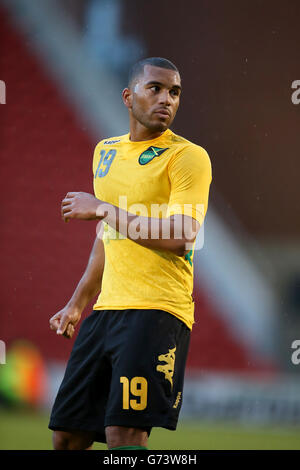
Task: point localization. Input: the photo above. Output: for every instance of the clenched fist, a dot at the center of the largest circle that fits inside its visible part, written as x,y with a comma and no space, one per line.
65,321
79,205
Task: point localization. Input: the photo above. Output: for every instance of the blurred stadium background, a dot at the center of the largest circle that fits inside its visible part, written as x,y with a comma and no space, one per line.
64,64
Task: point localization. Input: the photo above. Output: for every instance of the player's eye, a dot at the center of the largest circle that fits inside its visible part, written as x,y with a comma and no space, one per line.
174,92
155,88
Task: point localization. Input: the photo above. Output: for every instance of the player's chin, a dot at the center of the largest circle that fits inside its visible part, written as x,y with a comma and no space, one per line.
161,124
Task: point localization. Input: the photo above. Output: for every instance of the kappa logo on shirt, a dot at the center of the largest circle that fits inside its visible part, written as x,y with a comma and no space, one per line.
149,154
168,368
110,142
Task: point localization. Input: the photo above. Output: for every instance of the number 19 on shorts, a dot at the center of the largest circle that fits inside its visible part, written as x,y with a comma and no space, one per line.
137,387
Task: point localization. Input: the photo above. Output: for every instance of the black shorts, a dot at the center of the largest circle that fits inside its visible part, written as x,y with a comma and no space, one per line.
126,368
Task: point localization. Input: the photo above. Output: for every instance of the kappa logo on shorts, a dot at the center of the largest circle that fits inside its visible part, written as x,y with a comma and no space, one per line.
168,368
149,154
177,400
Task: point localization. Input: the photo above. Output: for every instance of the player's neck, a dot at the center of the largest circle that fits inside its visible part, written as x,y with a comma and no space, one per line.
139,133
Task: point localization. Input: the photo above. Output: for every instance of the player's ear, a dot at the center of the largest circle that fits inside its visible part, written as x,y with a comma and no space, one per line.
127,97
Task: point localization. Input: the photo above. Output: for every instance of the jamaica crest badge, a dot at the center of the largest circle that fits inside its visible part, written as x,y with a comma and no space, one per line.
149,154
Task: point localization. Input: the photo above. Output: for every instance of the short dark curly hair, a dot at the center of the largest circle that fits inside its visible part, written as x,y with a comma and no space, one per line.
138,67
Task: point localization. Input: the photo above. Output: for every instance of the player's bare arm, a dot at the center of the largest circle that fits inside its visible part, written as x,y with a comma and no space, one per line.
65,321
173,234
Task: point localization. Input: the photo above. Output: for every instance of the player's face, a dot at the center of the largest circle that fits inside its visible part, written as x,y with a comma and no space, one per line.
155,97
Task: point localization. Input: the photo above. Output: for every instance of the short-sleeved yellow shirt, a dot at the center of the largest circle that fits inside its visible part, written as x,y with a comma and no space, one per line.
154,178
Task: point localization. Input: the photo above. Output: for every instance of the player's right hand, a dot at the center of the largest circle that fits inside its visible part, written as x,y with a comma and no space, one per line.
65,321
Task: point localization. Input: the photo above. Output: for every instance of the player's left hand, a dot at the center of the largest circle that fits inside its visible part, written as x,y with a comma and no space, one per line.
79,205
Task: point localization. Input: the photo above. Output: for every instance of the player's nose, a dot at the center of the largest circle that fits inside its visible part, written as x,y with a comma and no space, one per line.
164,98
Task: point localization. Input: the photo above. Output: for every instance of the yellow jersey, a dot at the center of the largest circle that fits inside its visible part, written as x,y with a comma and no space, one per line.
153,178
